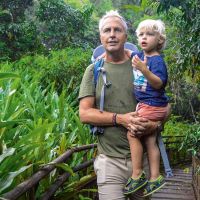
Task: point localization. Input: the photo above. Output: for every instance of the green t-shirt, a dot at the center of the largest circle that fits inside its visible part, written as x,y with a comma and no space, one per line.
119,98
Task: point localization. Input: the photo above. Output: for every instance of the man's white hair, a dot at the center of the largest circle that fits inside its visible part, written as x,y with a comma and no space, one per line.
112,13
153,25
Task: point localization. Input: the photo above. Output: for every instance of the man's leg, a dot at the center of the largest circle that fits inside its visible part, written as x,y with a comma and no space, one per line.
112,175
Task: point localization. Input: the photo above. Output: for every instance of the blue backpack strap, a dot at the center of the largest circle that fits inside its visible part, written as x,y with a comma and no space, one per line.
97,66
163,153
98,69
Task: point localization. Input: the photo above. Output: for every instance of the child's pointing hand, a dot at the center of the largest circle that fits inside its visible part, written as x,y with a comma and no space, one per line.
137,63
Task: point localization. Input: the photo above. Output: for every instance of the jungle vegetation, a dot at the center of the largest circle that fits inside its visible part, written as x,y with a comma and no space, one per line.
45,46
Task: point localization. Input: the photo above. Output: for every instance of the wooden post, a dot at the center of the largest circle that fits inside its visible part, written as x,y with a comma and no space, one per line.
196,176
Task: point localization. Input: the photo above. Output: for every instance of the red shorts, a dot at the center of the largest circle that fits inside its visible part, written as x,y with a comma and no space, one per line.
153,113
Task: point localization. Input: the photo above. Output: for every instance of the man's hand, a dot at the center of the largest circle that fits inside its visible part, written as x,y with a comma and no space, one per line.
137,63
138,125
135,124
126,119
142,126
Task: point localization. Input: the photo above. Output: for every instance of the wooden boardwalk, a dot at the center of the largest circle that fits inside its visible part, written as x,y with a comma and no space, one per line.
178,187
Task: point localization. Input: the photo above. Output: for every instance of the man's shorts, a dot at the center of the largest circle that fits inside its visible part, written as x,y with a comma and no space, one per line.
112,175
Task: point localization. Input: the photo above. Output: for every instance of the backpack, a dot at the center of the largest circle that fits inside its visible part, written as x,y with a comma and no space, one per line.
99,70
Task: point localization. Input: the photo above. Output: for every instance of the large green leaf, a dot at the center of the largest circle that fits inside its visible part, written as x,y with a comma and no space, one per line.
8,152
10,123
6,183
65,167
134,8
8,75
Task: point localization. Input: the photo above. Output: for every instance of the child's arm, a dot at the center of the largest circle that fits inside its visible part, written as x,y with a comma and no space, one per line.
153,80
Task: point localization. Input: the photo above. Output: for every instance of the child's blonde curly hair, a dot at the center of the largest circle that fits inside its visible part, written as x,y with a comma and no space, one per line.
156,26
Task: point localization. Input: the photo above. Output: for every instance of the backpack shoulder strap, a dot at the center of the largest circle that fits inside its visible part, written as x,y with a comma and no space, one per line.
98,69
97,66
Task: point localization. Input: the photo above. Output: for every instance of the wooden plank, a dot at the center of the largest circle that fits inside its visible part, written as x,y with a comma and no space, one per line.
181,191
178,187
173,196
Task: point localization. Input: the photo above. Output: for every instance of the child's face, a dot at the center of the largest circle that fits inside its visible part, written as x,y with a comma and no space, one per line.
149,40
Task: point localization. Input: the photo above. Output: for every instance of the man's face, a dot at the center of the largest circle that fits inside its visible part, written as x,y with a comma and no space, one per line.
113,35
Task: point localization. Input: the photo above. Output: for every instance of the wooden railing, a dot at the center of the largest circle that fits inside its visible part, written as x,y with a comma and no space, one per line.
176,156
30,185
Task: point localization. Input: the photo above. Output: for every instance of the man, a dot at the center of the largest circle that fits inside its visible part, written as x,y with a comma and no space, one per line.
113,164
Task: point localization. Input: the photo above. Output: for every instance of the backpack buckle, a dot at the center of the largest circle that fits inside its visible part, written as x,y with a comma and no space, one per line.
108,84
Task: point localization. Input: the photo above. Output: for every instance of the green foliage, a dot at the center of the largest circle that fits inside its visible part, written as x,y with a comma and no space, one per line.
185,15
17,35
102,6
77,4
64,67
174,133
68,64
38,120
8,75
60,25
39,26
192,140
185,98
174,126
16,8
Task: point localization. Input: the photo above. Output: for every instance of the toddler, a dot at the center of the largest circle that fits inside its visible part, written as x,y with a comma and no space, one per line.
150,79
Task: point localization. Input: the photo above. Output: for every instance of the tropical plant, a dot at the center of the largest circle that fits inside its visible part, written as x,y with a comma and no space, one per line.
64,67
39,26
192,140
59,24
185,16
35,120
17,36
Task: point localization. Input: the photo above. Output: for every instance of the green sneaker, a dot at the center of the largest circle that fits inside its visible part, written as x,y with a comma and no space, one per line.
153,186
133,185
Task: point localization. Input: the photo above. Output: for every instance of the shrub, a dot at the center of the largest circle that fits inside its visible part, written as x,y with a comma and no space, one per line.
62,67
67,64
192,140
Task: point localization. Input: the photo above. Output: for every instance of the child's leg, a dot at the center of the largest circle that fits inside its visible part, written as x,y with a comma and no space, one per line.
153,156
136,155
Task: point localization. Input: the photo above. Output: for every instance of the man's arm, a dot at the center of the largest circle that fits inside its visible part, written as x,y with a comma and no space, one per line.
90,115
